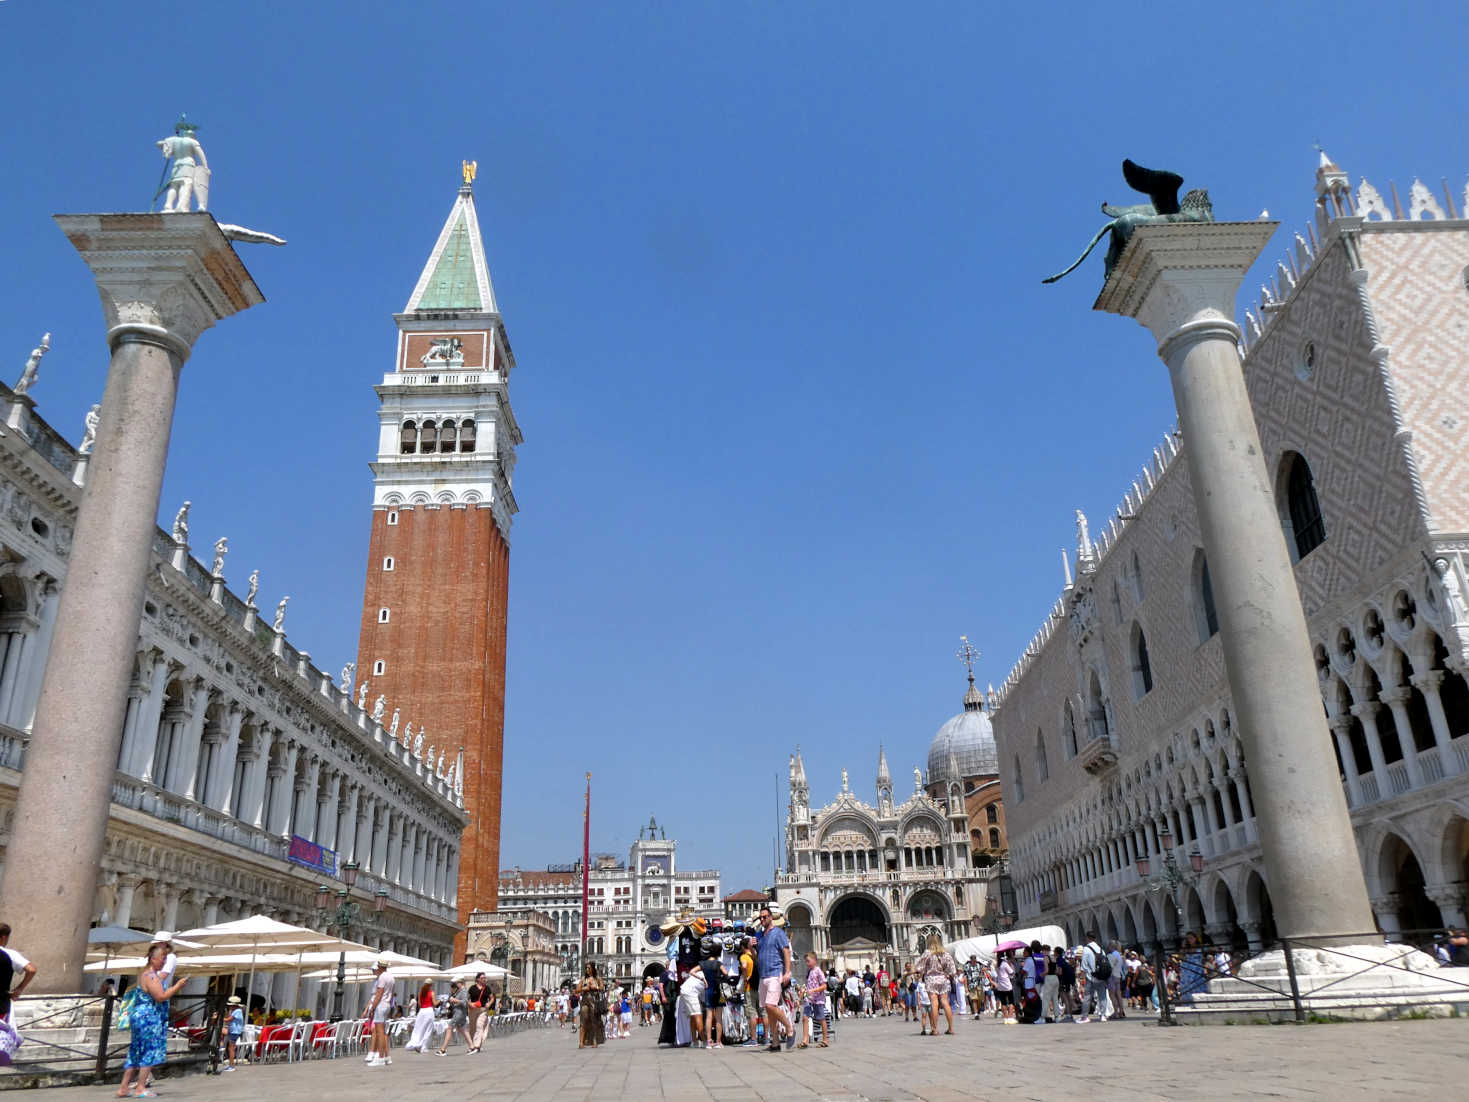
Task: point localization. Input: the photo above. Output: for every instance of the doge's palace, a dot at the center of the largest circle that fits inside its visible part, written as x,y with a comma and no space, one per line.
1117,727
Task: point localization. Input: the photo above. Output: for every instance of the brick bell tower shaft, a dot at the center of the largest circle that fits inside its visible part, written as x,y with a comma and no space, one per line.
434,605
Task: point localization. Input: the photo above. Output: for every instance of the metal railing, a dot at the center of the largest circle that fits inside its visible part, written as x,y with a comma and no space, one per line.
1190,984
42,1058
98,1053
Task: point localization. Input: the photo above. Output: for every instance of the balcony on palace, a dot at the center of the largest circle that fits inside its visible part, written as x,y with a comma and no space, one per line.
1098,756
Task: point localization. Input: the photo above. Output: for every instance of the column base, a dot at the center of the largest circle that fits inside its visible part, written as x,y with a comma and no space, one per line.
1345,982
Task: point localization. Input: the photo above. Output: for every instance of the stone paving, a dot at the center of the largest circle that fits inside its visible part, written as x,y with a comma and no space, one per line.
886,1059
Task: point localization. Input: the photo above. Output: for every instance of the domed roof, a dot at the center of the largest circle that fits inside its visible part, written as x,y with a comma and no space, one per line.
970,737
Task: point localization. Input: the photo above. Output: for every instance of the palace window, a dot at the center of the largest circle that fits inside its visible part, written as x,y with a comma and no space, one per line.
388,563
1142,669
1019,782
1306,528
1208,614
991,814
393,518
1042,766
379,668
1068,731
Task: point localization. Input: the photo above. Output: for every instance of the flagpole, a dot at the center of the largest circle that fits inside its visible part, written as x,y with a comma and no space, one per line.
586,865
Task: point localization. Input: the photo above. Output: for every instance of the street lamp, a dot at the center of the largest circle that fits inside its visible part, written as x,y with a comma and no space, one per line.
1170,878
346,916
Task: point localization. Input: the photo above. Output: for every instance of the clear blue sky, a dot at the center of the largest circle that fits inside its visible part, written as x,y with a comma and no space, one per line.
798,411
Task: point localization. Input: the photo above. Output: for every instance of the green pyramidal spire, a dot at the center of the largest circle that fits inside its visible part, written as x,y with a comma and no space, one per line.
456,276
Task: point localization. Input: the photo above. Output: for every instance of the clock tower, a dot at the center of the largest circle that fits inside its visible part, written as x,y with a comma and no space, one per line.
434,607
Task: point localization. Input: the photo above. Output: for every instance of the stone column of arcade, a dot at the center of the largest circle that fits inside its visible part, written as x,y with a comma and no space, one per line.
164,279
1180,281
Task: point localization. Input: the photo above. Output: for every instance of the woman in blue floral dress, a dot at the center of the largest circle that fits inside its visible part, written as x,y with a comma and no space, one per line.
149,1045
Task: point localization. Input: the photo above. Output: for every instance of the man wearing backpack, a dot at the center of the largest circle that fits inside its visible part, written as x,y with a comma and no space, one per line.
1098,970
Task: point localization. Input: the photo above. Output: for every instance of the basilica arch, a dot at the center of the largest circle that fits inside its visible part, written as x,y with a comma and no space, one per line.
857,916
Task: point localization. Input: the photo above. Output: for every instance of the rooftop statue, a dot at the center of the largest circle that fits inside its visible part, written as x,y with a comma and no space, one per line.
1161,188
89,436
33,364
253,589
181,524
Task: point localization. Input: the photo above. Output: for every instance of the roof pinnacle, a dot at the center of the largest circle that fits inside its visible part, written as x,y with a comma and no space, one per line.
973,698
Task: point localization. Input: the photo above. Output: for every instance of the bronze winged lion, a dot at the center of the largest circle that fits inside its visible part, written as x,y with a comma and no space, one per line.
1161,188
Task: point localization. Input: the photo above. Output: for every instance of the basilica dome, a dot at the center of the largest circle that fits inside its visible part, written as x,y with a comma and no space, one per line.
971,739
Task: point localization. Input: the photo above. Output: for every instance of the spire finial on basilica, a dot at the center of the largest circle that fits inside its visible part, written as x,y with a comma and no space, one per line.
973,698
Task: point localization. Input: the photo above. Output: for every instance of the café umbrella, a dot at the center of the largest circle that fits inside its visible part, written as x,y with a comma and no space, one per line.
262,934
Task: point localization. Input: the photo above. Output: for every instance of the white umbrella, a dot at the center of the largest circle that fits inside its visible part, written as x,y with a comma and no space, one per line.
205,963
471,968
261,932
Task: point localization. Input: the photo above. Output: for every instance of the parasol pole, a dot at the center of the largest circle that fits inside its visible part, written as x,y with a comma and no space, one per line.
586,872
250,989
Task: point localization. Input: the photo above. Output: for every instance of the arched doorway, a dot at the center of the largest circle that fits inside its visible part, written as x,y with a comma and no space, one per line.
1193,913
1129,926
798,929
857,919
1257,903
1414,910
1225,914
1150,928
1454,863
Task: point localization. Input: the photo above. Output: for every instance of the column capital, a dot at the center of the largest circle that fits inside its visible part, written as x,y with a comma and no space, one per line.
1366,709
1397,695
1180,279
1428,679
163,278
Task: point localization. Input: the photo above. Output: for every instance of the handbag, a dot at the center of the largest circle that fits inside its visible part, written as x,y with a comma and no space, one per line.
124,1019
10,1040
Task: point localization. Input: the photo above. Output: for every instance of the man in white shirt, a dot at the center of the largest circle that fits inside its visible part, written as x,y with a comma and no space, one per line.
15,961
378,1008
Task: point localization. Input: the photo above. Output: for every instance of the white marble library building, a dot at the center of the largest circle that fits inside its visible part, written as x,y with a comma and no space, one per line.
240,761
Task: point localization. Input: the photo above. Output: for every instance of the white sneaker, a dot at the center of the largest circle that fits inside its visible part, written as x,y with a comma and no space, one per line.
374,1062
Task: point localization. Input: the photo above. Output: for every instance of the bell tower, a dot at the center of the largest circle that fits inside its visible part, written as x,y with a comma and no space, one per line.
434,607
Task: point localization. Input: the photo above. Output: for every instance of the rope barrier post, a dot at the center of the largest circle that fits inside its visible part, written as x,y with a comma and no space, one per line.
1295,987
1160,985
107,1001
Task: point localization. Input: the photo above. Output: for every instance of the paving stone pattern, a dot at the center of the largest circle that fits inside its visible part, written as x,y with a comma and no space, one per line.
886,1059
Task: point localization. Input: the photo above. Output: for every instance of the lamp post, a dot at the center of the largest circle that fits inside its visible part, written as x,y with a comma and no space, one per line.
346,916
1171,877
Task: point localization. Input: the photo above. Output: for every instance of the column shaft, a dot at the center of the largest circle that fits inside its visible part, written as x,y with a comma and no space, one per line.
1305,833
66,786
